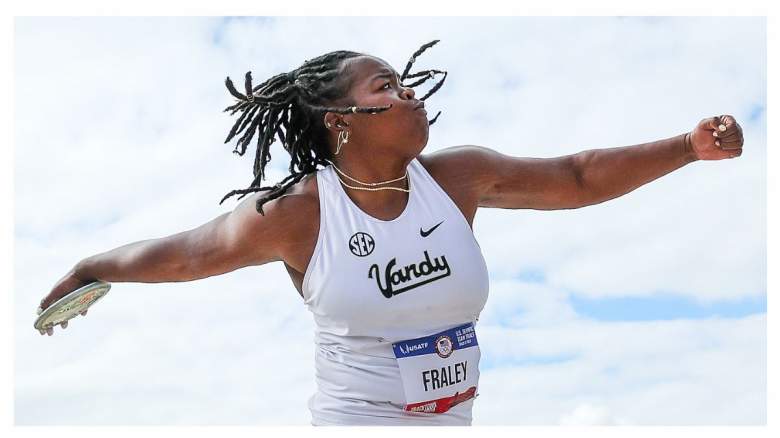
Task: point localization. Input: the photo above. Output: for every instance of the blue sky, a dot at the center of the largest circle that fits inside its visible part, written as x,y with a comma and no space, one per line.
667,306
658,306
646,309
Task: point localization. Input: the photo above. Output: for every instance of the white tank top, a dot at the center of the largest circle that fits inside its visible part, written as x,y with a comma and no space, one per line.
372,282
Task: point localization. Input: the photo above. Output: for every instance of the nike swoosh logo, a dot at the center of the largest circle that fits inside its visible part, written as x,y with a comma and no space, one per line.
426,233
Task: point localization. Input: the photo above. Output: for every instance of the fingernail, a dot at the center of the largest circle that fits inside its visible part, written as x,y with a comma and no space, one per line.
722,127
717,143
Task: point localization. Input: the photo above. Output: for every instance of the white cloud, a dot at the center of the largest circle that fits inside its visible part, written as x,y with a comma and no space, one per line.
587,414
680,372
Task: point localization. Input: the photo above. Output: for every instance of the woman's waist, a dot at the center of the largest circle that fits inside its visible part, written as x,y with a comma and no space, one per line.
354,375
340,410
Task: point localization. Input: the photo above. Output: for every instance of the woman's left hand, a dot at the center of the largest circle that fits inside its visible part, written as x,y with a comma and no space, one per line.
716,138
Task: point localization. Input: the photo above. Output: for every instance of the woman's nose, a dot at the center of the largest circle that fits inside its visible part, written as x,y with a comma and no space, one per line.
409,92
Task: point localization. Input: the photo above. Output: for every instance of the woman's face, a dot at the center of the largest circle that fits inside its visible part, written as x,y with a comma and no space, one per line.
402,129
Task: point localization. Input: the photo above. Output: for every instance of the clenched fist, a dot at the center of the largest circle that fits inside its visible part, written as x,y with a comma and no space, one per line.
716,138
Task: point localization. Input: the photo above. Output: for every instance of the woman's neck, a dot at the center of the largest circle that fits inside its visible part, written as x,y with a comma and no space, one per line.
374,170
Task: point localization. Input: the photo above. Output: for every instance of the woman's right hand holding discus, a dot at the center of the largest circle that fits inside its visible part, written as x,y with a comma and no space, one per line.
64,286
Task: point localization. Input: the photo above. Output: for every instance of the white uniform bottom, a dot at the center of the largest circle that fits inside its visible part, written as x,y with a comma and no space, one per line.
331,411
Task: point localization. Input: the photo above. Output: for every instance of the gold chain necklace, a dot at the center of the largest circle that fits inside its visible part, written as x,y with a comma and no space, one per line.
406,175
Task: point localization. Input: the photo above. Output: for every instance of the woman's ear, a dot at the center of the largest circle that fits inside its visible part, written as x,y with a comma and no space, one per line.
329,120
333,121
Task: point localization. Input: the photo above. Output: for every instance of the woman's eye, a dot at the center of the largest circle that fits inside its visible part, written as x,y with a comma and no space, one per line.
383,86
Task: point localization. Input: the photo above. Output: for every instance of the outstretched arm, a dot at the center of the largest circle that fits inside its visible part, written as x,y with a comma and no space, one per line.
230,241
605,174
608,173
588,177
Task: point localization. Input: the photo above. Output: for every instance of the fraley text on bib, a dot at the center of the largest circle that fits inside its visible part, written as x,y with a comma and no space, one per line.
440,370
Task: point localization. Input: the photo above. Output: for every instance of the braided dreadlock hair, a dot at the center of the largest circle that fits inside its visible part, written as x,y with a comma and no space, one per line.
297,101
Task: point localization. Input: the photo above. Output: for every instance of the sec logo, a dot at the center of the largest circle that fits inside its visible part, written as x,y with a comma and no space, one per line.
361,244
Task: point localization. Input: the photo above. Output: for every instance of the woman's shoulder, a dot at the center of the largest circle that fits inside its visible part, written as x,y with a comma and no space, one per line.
453,179
448,174
301,206
301,201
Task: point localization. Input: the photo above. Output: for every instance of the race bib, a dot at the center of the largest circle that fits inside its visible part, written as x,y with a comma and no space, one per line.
439,371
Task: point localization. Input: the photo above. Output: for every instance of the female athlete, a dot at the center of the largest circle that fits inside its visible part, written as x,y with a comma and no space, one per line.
378,241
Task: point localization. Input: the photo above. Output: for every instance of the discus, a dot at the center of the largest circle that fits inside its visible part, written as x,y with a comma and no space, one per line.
71,304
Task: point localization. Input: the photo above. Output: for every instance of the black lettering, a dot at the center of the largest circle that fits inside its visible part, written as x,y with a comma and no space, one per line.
439,266
426,378
446,380
406,274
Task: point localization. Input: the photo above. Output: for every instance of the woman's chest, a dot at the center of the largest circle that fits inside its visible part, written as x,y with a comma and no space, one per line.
300,252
